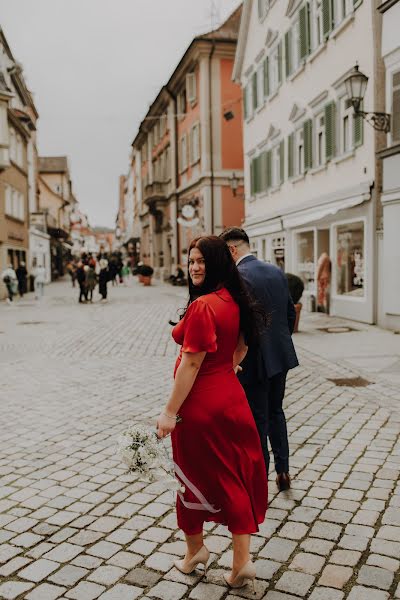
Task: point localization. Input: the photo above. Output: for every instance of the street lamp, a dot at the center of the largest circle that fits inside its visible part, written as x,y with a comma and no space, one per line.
234,183
356,85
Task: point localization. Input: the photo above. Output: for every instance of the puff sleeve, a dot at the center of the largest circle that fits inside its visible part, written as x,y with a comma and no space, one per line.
200,333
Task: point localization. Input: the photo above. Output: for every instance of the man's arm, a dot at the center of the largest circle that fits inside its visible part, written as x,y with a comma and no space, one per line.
291,311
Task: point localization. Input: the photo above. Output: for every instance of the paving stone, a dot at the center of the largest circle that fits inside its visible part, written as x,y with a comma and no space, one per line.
278,549
12,589
160,561
86,538
143,577
87,562
359,592
168,589
38,570
156,534
68,575
272,596
125,560
326,531
104,549
387,532
353,542
307,563
317,546
295,583
142,547
324,593
122,592
294,531
266,569
107,575
7,552
376,560
64,552
345,557
85,590
387,548
375,577
360,530
45,591
14,565
335,516
105,524
304,514
335,576
207,591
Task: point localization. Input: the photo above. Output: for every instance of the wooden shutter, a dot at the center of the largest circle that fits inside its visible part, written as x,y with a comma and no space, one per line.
280,62
327,17
260,8
269,168
266,77
396,107
282,161
290,155
254,88
259,174
191,87
304,18
288,52
252,187
245,102
308,149
330,130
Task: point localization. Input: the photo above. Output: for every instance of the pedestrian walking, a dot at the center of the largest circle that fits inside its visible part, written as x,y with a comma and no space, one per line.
103,278
216,449
71,268
324,268
22,276
9,278
81,279
113,268
40,280
90,280
266,366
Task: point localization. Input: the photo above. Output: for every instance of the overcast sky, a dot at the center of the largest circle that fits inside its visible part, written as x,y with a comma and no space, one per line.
94,67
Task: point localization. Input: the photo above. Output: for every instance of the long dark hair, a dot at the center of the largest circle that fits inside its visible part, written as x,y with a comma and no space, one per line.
221,271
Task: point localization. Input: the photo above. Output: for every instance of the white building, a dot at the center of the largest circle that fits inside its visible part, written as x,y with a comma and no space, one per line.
310,164
389,255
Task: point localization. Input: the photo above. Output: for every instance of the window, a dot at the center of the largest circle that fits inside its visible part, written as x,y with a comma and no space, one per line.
182,102
350,275
320,140
275,69
191,86
144,152
248,100
304,31
296,45
13,145
346,122
166,171
330,130
263,8
396,107
306,259
260,84
299,153
318,24
276,166
194,149
184,152
254,89
14,203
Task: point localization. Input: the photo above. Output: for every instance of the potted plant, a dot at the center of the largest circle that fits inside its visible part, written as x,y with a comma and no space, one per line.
296,289
145,274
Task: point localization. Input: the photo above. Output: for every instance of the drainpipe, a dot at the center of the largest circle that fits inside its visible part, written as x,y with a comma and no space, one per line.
211,132
176,163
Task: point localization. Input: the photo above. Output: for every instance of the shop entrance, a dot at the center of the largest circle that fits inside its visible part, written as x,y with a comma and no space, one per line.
324,271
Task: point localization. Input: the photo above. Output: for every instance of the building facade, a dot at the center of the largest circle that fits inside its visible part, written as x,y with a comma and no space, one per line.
389,246
312,177
185,153
18,159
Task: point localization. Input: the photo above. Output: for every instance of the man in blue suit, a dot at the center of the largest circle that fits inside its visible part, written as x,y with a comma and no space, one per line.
266,366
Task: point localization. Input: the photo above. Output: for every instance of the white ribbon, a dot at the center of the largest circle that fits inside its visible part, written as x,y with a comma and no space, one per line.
204,504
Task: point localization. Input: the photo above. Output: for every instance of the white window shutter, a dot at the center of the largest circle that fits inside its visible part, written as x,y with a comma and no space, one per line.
191,87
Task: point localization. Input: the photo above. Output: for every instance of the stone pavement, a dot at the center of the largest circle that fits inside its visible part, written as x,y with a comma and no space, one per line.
74,525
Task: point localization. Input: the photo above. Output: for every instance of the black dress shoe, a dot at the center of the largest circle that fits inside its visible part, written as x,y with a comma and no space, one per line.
283,481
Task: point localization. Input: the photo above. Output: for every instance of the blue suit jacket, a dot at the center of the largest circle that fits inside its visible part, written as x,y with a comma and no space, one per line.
276,353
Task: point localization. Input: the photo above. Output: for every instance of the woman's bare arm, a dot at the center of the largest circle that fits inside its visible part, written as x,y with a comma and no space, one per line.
240,353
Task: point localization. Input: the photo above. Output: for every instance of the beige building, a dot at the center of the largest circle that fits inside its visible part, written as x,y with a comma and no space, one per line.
56,203
18,182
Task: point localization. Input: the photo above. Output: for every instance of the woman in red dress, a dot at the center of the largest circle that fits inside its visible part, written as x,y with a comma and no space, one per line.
216,447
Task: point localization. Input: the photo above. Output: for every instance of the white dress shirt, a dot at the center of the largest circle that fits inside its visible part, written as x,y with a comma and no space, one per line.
239,260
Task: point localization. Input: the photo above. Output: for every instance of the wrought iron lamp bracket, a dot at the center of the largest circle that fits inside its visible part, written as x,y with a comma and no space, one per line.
379,121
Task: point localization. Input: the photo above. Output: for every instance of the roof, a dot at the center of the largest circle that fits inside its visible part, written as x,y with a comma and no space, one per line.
228,30
3,84
53,164
242,40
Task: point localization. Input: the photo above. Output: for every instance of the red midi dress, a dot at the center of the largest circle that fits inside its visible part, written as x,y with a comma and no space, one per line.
216,447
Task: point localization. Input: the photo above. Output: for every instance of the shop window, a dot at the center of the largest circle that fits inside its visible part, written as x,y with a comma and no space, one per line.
350,260
306,259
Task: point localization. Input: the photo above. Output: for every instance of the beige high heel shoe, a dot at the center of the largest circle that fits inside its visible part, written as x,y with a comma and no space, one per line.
246,573
202,557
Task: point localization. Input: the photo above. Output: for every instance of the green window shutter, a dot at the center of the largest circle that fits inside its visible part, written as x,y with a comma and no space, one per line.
254,86
269,167
280,62
282,161
358,131
290,155
252,186
308,150
288,52
245,102
266,77
327,17
330,130
304,31
357,3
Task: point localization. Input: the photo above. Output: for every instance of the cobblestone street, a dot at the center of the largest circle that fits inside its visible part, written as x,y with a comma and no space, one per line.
74,525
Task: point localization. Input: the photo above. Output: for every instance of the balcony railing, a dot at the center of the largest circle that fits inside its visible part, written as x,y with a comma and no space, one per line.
155,191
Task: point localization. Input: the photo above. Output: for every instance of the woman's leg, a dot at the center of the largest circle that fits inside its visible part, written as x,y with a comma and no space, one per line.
194,544
241,552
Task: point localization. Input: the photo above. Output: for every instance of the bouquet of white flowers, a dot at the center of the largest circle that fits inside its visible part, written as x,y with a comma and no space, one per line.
145,454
